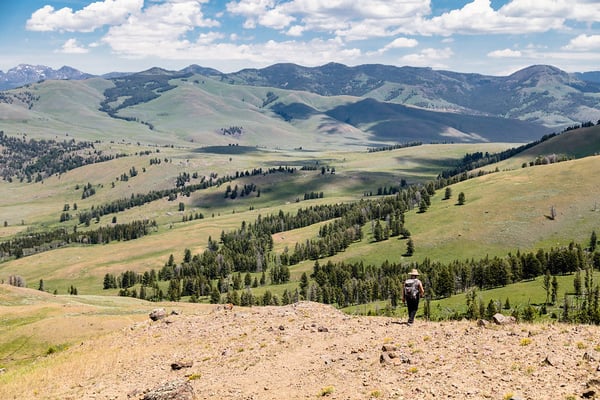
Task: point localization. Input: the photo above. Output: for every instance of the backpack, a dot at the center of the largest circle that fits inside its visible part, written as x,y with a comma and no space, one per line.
411,289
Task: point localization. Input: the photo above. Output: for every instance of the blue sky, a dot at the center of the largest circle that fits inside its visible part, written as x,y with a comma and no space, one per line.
495,37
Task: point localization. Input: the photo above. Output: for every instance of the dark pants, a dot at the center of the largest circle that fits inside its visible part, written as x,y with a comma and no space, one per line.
413,306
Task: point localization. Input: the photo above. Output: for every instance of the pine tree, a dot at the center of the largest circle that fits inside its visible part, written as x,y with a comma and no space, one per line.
490,310
423,206
554,295
528,313
215,296
472,309
303,285
577,283
546,285
461,199
447,193
263,279
410,248
174,291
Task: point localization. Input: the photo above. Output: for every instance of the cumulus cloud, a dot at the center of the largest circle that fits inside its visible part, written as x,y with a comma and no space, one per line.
505,53
351,19
429,57
584,43
157,29
295,30
580,10
335,30
479,17
71,46
88,19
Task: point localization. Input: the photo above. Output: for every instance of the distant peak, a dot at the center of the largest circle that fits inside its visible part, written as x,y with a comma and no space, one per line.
156,71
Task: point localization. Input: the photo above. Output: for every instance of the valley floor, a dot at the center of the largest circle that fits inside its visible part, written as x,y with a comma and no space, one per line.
310,350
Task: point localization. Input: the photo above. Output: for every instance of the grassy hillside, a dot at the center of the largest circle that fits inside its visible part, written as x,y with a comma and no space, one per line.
180,109
504,211
576,143
37,324
85,266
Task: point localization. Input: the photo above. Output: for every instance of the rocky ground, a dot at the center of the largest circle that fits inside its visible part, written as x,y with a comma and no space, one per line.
310,350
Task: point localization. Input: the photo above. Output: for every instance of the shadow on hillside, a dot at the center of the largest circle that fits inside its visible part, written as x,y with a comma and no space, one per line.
293,111
227,149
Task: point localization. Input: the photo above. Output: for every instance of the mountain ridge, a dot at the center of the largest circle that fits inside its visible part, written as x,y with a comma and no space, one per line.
543,94
377,102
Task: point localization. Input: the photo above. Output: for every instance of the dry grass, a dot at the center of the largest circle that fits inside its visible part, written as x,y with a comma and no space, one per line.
278,352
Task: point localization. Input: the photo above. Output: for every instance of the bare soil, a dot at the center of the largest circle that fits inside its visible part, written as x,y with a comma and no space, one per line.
310,350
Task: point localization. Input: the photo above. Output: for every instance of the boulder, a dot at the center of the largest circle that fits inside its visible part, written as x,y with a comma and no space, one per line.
158,314
503,320
176,390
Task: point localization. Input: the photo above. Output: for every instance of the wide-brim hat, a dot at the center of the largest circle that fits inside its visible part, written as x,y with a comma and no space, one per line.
414,272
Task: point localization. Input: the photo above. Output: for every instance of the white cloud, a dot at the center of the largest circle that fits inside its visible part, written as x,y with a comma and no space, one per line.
429,57
295,30
398,43
88,19
505,53
351,19
402,42
208,38
478,17
71,46
584,43
579,10
157,29
179,29
275,19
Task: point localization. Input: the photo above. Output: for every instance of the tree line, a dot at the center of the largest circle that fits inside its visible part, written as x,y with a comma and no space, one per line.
32,160
182,187
37,242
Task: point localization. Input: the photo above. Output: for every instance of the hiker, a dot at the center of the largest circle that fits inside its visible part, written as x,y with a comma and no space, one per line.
413,291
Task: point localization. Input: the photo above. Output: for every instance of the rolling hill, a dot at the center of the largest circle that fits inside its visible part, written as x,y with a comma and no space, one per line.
184,109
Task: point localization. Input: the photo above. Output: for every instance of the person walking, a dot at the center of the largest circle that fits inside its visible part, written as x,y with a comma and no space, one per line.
413,291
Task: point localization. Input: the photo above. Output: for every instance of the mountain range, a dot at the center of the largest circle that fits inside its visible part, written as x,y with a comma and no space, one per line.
368,103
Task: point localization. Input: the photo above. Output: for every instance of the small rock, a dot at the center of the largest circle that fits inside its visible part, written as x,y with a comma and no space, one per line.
589,394
404,359
588,357
177,390
593,383
483,323
384,358
181,364
549,360
158,314
281,328
323,329
388,347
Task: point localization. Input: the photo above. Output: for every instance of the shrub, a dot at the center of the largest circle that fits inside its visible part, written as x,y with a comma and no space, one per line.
326,391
